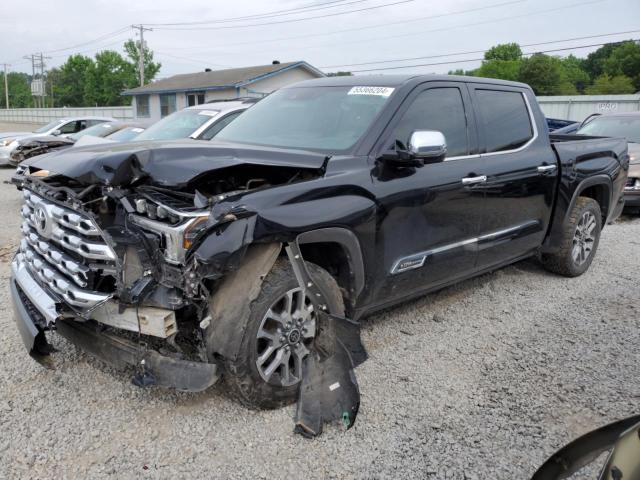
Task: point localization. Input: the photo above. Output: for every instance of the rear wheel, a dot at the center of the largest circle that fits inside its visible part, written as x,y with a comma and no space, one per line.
281,326
579,240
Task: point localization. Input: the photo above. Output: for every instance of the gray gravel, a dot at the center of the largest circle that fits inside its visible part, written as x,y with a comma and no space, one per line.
482,380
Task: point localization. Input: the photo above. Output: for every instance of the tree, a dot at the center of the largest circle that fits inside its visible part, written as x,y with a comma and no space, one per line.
70,80
108,77
624,60
151,69
504,51
594,64
574,74
504,69
606,85
544,74
19,90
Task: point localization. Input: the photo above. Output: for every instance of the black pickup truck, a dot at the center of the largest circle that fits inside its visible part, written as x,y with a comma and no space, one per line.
176,255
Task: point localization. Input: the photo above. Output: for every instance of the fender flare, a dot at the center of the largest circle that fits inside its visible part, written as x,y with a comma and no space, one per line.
591,182
351,245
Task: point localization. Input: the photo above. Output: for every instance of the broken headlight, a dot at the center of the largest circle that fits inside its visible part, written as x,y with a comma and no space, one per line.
178,229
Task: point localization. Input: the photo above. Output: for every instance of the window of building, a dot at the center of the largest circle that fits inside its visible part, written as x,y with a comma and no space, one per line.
440,109
505,119
195,98
167,104
142,106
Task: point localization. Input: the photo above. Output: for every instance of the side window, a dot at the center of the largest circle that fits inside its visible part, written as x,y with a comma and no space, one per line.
69,127
216,127
505,119
440,109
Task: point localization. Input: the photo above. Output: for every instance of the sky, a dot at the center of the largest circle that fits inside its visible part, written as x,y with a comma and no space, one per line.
344,35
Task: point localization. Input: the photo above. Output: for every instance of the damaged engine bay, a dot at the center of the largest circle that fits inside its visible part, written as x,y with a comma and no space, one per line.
132,264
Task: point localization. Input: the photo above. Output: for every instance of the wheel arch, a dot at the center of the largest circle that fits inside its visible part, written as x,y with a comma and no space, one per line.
337,250
599,188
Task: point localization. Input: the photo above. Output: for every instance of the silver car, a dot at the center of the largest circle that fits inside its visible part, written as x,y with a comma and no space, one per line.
201,122
62,127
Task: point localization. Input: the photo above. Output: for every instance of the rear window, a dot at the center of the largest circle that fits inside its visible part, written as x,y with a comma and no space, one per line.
505,118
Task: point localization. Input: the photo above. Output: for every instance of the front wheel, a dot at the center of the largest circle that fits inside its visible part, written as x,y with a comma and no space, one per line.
277,337
579,240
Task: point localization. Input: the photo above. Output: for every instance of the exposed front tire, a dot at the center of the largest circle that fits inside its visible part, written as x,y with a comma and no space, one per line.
579,242
277,336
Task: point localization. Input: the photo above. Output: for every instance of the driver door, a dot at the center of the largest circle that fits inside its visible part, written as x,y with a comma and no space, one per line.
430,214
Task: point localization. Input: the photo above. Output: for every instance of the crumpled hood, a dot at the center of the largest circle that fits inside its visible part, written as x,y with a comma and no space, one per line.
172,163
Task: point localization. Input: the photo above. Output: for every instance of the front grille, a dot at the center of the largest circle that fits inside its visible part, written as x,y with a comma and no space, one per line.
65,252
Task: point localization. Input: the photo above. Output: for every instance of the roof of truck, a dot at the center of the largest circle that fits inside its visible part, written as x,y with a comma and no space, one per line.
397,80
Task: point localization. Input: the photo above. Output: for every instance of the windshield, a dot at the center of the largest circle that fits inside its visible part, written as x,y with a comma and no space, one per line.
100,130
622,126
326,119
126,134
178,125
47,127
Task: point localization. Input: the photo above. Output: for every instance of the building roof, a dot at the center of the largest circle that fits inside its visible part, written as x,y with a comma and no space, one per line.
219,79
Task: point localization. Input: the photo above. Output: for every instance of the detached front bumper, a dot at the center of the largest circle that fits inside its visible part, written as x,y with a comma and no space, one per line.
35,311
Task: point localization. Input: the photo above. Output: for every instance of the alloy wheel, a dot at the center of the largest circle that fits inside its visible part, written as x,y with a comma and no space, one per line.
286,330
584,238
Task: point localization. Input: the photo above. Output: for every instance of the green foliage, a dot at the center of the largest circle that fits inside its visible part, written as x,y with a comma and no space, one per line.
505,52
607,85
19,90
624,60
151,68
504,69
613,68
82,81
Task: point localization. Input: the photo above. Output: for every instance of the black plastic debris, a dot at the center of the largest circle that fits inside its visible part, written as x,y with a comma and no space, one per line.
329,390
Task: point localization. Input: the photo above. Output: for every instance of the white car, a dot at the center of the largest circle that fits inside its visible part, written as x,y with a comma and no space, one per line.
63,127
201,122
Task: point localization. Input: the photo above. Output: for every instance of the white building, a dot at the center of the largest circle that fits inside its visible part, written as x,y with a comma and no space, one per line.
163,97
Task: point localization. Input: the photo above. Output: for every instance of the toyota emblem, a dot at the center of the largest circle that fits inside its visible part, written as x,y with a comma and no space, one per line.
42,221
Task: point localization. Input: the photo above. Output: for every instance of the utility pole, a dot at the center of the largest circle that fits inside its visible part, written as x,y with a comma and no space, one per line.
6,86
37,68
141,28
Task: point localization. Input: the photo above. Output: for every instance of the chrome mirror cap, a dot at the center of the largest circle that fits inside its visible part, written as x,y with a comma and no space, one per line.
427,144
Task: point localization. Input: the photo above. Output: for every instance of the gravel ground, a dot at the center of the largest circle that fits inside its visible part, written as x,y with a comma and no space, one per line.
482,380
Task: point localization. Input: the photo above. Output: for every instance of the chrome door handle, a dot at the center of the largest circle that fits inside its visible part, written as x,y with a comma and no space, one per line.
547,168
474,180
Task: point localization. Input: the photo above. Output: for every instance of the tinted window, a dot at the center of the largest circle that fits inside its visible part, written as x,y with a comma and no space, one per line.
621,126
438,109
216,127
505,119
70,127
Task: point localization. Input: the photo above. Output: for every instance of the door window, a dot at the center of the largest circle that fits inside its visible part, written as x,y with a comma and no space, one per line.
69,127
440,109
505,118
216,127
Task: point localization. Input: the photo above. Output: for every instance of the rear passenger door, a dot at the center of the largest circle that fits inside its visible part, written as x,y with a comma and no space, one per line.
521,173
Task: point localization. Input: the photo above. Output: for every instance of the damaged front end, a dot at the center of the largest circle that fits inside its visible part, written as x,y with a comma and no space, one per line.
148,265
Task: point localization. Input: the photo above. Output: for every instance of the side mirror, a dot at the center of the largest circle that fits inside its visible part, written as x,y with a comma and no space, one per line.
427,145
55,133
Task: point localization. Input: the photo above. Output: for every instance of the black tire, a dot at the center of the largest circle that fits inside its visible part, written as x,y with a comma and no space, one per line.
563,262
243,380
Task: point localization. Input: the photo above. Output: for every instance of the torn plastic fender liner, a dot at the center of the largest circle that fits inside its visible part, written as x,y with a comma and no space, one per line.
329,389
233,297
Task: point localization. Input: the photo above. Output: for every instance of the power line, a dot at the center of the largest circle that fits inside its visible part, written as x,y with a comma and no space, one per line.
193,60
467,60
475,51
102,37
386,24
276,13
292,20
